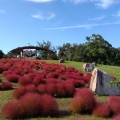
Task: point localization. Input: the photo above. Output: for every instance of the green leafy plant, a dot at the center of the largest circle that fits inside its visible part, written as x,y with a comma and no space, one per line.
115,82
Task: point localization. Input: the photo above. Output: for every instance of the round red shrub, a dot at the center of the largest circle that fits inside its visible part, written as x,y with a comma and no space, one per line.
18,92
87,78
79,83
55,75
23,81
62,77
62,68
31,105
1,69
49,106
5,73
70,81
77,105
11,110
114,103
27,70
60,90
31,88
31,75
6,86
6,67
102,110
38,80
51,88
18,72
41,89
59,71
70,69
80,74
51,80
69,89
87,98
12,77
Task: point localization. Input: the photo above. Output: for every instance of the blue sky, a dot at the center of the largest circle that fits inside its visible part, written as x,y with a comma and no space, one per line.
24,22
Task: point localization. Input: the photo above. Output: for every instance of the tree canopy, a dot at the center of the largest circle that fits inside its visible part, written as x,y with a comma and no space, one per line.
96,49
1,54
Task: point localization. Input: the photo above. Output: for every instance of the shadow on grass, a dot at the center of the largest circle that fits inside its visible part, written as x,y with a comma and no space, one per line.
63,113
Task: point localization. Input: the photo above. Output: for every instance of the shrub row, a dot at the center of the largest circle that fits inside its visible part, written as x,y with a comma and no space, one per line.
31,105
85,102
56,90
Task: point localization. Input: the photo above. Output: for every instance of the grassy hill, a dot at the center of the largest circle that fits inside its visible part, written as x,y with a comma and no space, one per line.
63,103
112,70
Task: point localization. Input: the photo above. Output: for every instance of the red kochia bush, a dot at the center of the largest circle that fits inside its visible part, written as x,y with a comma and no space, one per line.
18,92
114,103
51,80
60,90
31,88
85,101
49,106
51,88
102,110
12,77
6,86
87,78
79,83
31,104
23,81
69,89
31,75
11,110
76,105
1,69
62,77
41,89
18,72
38,80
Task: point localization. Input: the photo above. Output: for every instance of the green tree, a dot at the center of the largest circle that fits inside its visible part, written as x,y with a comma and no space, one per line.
65,51
98,49
1,54
44,54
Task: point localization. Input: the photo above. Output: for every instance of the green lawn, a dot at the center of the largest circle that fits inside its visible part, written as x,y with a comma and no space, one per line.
112,70
63,103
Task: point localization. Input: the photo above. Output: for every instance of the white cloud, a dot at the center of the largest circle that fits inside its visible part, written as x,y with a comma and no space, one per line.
40,16
97,18
51,16
104,4
86,26
40,1
2,11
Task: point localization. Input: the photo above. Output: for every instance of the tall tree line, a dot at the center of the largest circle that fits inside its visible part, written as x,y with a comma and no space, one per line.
96,49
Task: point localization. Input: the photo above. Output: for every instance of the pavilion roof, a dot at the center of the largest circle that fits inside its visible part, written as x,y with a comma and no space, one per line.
20,49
